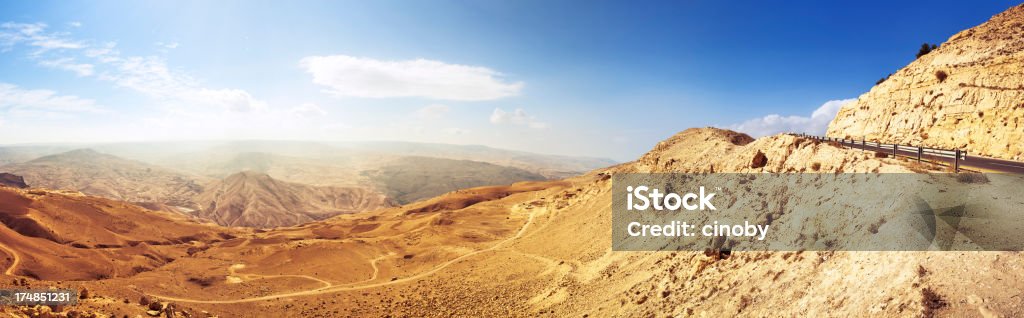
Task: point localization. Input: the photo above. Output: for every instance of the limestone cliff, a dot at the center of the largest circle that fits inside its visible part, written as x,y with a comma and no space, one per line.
967,94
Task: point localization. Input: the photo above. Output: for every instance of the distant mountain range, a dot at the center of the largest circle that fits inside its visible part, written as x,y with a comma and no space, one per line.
257,200
278,183
109,176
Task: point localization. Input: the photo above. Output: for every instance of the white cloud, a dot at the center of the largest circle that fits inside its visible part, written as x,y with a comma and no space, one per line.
75,24
369,78
517,117
151,76
432,111
33,34
17,99
772,124
69,64
456,131
307,110
148,75
169,46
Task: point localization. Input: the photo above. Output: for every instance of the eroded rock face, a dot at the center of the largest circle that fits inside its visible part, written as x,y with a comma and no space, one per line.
967,94
11,180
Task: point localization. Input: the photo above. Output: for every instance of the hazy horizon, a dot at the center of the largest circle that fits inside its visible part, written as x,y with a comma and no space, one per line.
598,80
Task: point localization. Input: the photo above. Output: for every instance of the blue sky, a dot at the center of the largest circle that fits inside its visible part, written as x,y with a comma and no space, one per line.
595,78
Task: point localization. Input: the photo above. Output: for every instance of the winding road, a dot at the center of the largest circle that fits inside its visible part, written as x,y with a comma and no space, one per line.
332,288
982,164
14,264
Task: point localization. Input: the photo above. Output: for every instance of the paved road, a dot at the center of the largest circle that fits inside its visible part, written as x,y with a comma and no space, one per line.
971,162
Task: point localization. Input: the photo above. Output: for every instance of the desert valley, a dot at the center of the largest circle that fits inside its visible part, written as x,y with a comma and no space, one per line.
311,229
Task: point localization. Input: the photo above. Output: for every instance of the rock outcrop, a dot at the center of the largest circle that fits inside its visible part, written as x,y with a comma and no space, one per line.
967,94
11,180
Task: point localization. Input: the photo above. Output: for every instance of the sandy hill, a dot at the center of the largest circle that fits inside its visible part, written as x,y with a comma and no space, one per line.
543,248
967,94
257,200
105,175
54,235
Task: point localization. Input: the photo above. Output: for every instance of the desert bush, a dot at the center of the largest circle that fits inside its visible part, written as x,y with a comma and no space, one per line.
925,49
971,178
881,80
941,75
879,154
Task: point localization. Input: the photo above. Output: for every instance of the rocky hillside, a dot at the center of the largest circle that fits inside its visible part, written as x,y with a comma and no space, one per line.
410,179
968,94
12,180
257,200
108,176
543,248
57,235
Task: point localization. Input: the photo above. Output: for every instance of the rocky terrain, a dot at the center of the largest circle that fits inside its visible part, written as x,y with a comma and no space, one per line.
541,248
109,176
12,180
257,200
966,94
230,184
410,179
55,235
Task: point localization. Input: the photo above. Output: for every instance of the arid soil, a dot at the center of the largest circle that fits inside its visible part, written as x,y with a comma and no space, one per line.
966,94
544,248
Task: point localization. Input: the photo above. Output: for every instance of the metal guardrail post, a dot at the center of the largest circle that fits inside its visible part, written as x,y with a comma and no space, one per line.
920,151
894,147
956,162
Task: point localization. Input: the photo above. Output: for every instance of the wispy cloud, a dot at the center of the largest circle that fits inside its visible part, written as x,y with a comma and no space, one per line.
349,76
433,111
517,117
17,99
169,46
149,75
772,124
456,131
307,110
69,64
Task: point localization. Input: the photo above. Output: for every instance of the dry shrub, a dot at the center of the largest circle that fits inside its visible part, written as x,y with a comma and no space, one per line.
941,75
971,178
931,302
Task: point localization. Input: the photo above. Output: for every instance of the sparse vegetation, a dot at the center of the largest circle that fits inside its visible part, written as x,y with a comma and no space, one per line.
881,80
941,75
931,302
925,49
971,178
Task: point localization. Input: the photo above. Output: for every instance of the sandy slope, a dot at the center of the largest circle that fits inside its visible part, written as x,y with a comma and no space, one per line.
544,248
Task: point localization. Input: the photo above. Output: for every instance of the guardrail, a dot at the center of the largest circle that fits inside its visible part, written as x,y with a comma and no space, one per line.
918,152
